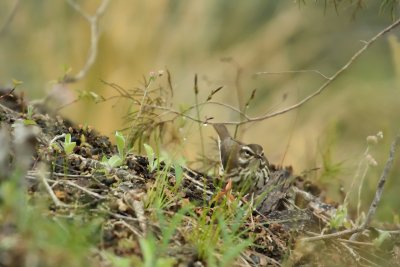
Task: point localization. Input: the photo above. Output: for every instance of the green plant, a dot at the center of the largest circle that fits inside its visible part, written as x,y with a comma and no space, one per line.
29,113
366,161
149,249
165,190
154,251
218,233
117,160
382,237
121,145
153,161
38,236
340,219
113,162
68,145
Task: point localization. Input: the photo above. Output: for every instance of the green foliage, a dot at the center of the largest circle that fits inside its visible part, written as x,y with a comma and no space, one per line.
382,237
391,6
178,176
149,251
340,220
29,120
68,145
117,261
330,169
91,96
113,162
117,160
219,231
121,145
159,195
216,231
16,82
49,240
169,226
153,162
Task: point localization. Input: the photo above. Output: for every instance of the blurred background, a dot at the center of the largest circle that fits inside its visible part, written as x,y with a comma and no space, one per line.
226,44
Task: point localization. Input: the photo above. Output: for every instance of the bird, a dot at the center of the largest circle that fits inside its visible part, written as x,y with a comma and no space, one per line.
245,164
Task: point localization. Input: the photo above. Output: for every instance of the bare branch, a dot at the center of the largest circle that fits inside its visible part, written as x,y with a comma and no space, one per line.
87,191
328,82
329,79
374,204
330,236
53,196
94,38
381,184
244,117
292,71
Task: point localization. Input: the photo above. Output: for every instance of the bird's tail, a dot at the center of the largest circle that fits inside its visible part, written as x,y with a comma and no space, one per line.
222,131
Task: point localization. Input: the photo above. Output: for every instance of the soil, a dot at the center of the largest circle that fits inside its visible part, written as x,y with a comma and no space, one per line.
84,186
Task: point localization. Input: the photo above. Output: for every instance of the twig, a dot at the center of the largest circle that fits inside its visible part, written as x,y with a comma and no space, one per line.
179,113
247,119
72,175
7,94
142,103
330,236
328,82
198,185
368,244
351,251
56,138
292,129
381,184
293,71
53,196
374,204
130,227
94,38
87,191
196,99
331,78
134,198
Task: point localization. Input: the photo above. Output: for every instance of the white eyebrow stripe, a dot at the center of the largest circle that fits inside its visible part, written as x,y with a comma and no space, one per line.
248,149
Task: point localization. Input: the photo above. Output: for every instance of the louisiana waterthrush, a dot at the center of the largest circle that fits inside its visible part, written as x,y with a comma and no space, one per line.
245,164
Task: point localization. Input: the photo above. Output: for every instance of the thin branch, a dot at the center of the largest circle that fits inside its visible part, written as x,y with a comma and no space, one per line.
87,191
374,204
8,94
367,244
381,184
143,99
53,196
94,38
247,119
291,72
328,82
180,113
329,79
130,227
330,236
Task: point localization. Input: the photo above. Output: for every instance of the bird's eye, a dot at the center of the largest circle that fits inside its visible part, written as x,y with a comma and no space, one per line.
246,153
